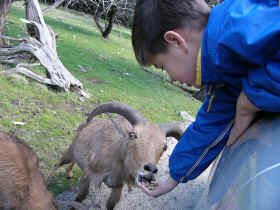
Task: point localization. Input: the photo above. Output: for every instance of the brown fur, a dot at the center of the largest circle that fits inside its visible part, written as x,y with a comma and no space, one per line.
21,182
105,155
22,186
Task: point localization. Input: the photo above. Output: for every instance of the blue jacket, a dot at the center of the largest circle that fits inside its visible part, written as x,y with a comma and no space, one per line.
240,51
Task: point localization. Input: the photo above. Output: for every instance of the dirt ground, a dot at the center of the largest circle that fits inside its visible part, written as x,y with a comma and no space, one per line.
183,197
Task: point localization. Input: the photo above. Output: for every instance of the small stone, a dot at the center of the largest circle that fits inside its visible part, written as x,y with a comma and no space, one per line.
186,116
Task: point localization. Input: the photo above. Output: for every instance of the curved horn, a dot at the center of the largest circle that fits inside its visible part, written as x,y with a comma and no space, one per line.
131,114
175,129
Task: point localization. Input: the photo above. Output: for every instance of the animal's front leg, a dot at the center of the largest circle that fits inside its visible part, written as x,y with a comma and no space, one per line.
83,188
114,198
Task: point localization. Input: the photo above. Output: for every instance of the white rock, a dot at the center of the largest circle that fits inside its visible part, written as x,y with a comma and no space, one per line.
18,123
186,116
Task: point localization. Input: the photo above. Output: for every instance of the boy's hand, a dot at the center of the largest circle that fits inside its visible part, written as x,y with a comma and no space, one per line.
145,189
245,114
160,189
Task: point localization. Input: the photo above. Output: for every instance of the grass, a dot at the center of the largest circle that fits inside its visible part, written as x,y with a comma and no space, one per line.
50,117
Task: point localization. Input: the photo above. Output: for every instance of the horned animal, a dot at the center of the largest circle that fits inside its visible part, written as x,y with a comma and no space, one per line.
22,186
117,150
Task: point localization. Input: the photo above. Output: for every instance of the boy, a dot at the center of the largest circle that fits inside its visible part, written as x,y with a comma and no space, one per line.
237,46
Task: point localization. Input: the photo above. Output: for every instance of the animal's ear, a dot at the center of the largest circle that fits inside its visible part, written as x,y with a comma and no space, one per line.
175,129
132,135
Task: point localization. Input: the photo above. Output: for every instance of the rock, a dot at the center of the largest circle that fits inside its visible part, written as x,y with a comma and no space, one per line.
186,116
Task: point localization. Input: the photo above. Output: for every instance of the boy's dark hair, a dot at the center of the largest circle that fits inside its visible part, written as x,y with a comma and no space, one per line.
152,18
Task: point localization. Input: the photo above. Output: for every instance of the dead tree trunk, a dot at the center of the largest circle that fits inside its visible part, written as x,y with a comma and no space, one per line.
4,7
109,26
42,46
34,15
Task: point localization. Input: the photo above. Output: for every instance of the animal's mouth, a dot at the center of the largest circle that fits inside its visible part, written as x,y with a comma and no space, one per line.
145,177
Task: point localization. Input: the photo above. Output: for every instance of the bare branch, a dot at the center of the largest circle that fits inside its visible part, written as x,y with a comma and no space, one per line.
14,59
96,20
29,65
21,69
13,39
53,6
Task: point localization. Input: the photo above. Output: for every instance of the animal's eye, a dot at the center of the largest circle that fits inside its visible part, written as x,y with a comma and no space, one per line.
132,135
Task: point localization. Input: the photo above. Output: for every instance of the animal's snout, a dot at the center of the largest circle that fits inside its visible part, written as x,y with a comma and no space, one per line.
151,168
132,135
148,175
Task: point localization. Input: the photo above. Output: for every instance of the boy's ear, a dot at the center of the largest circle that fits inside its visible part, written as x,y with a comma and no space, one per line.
173,37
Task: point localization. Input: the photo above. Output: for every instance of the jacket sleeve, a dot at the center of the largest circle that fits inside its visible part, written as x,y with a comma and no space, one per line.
211,120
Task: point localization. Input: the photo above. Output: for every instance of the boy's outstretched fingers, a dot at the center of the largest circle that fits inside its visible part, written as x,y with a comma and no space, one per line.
142,186
159,188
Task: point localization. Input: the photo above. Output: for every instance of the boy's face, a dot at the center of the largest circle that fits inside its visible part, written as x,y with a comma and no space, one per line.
179,64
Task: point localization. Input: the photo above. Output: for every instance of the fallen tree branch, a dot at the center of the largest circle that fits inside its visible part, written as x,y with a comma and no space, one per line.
21,69
42,46
13,39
